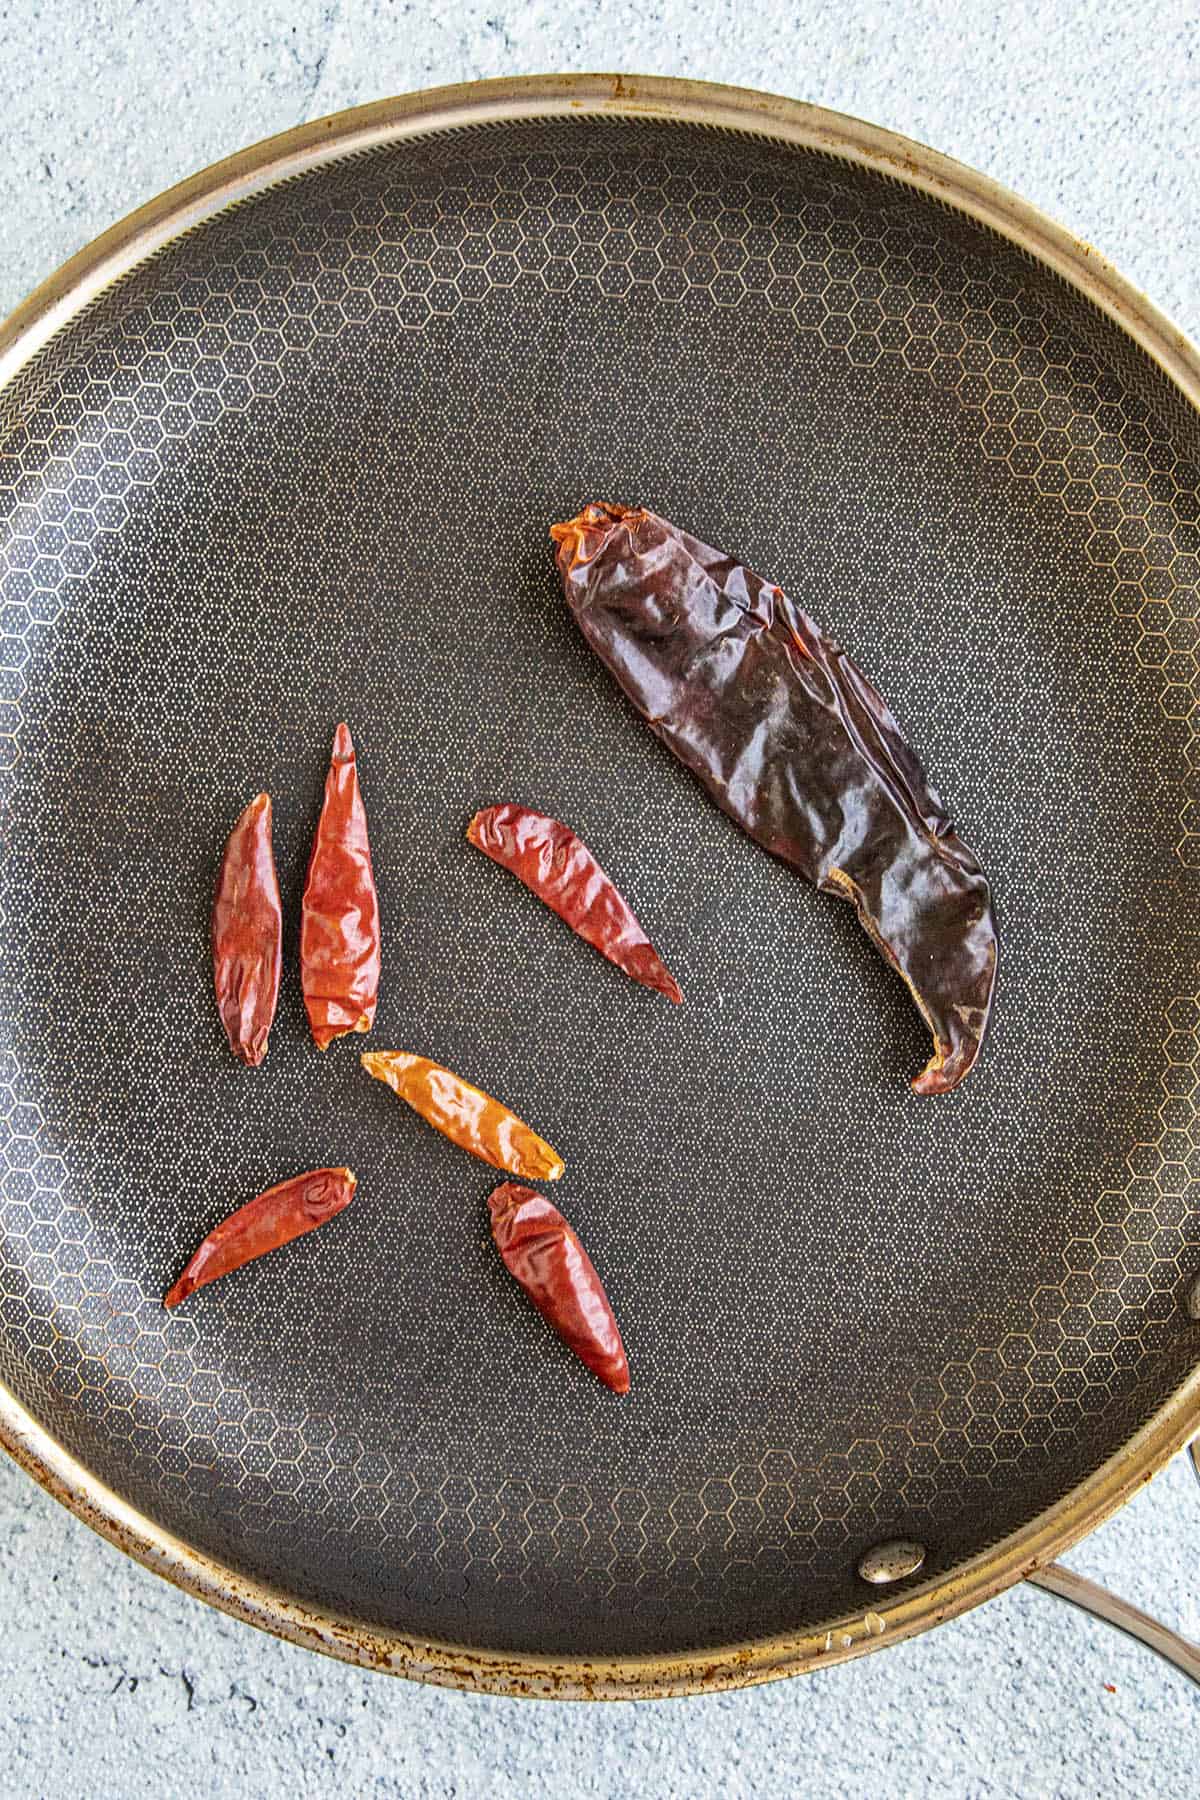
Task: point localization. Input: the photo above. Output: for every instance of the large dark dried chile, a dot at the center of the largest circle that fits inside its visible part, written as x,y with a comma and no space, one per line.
791,739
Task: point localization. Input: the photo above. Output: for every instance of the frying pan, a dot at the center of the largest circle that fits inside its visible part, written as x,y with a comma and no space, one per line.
283,449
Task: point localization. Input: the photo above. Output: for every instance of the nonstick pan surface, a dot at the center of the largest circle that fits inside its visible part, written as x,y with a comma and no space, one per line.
285,451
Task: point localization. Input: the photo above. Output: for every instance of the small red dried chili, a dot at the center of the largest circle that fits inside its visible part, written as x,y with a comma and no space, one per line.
560,869
339,915
247,928
540,1249
264,1223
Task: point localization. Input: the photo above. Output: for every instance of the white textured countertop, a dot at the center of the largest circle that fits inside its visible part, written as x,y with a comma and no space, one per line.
113,1683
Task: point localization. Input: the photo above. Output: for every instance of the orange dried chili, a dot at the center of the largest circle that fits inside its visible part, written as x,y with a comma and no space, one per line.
467,1116
264,1223
247,929
540,1249
339,916
560,869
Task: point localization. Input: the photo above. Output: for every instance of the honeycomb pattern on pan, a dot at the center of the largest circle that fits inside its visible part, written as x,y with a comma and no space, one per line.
283,474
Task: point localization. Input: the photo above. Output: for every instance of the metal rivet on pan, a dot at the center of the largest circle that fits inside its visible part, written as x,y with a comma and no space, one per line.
1191,1299
891,1561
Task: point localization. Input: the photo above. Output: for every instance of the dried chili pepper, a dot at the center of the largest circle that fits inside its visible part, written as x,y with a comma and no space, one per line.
339,915
469,1118
794,743
560,869
540,1249
264,1223
247,929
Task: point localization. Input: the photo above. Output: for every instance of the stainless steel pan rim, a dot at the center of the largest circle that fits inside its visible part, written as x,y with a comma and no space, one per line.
805,127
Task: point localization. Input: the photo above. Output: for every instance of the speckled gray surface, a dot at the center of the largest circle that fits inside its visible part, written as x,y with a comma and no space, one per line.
112,1682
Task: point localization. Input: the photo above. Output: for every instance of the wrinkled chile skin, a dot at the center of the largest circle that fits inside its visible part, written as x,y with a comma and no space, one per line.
465,1114
542,1252
794,743
558,867
339,912
247,932
265,1223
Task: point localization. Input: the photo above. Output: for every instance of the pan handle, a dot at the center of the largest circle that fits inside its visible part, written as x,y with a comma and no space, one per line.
1094,1599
